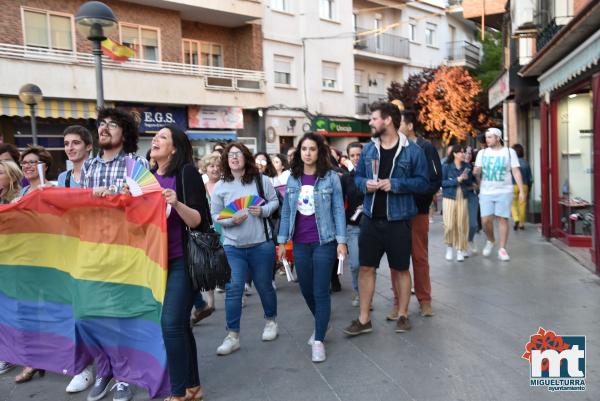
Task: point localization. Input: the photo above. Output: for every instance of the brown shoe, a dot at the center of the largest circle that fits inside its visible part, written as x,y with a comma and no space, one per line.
203,313
403,324
426,310
393,315
356,328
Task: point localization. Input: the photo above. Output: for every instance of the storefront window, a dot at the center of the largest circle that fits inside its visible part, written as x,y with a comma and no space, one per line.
575,144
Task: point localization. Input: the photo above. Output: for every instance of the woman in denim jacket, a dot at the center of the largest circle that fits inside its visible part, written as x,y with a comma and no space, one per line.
313,217
456,182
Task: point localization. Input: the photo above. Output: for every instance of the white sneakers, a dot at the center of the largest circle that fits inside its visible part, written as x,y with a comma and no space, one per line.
460,256
356,301
472,248
311,340
270,331
81,381
318,351
230,344
503,255
449,253
487,249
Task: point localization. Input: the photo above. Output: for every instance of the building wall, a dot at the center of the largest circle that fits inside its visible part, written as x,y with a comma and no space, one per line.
242,46
283,36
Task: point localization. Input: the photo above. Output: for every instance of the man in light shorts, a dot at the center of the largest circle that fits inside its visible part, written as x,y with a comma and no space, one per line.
494,166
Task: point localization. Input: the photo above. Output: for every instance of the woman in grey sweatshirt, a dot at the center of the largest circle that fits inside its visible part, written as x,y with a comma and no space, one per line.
247,239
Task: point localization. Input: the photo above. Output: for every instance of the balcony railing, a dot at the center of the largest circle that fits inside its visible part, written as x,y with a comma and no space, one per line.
364,100
213,77
381,43
463,51
549,28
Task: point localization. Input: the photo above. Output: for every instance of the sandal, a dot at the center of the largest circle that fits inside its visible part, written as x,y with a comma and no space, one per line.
27,374
194,394
175,398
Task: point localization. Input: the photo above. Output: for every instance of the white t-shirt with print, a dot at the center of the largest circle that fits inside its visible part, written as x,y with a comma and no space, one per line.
496,177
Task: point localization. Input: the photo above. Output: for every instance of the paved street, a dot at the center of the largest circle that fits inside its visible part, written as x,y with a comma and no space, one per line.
471,350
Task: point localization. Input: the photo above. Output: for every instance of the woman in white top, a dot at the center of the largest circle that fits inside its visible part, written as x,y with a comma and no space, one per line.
282,168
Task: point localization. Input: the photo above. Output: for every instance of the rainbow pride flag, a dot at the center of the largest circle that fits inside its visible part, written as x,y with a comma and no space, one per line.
82,277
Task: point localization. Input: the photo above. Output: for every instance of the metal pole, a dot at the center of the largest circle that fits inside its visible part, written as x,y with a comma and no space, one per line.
99,84
33,125
261,143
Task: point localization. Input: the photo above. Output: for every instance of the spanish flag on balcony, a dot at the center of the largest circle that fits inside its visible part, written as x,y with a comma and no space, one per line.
117,51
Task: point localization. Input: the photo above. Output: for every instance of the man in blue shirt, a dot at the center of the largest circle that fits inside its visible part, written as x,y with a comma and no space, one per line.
78,145
390,170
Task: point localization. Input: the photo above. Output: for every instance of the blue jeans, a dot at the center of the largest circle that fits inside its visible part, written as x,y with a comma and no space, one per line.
353,233
314,263
259,261
473,205
177,333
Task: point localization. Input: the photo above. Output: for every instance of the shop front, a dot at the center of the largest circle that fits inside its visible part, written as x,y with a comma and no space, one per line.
569,88
52,117
341,132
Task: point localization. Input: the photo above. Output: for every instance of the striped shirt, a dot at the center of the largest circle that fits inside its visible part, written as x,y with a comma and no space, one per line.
98,172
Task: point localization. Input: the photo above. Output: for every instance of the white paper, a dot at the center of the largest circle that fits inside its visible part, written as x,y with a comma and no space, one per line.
40,169
340,270
288,270
168,210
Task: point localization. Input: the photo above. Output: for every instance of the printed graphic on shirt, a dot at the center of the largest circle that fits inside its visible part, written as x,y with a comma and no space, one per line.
306,200
493,168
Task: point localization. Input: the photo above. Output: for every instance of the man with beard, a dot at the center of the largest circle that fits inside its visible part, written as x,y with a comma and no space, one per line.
117,138
390,170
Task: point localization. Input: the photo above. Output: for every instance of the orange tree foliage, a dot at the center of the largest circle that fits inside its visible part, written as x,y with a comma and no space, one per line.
447,104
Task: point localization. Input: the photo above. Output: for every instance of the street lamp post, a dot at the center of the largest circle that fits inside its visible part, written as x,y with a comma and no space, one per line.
31,95
95,20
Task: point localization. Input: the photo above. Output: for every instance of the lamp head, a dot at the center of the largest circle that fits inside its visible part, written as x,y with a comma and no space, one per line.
30,94
95,20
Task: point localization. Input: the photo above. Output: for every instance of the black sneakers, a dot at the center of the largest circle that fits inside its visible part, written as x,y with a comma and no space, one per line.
403,324
356,328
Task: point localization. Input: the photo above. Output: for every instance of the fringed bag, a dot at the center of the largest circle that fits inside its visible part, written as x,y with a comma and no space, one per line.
208,267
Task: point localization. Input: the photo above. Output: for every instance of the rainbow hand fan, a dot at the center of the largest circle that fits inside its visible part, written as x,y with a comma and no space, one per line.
239,206
139,179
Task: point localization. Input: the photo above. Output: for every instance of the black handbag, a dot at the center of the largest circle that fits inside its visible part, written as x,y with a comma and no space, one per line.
207,263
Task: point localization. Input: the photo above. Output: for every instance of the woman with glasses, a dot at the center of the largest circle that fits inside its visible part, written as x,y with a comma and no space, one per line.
10,181
314,194
30,158
247,239
264,164
457,179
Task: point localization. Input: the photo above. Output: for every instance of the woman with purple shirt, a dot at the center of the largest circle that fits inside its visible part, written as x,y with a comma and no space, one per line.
172,153
313,217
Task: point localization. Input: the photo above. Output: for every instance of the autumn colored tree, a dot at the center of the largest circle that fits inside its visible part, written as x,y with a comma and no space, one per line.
408,91
447,103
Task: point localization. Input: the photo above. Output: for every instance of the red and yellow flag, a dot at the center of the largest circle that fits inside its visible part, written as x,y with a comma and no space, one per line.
117,51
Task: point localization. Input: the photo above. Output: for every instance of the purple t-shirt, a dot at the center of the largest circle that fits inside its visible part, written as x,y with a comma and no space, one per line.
174,222
306,231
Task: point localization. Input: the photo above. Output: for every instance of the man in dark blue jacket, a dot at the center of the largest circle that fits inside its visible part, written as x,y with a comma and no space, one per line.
420,223
390,170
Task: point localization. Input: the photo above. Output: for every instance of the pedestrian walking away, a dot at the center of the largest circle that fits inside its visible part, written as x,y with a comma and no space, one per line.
247,239
314,194
494,165
391,169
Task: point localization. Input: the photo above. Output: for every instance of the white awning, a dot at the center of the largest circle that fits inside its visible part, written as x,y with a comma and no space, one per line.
577,62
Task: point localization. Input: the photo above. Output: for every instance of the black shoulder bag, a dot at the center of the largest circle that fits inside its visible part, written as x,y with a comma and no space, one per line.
266,220
208,267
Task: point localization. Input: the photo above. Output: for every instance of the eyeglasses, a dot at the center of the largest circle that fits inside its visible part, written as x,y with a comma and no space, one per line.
261,162
110,124
31,163
234,155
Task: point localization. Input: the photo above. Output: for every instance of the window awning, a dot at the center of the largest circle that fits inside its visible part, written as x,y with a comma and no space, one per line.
49,108
204,135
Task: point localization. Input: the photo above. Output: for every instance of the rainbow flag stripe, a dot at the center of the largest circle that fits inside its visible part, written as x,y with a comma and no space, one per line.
84,277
